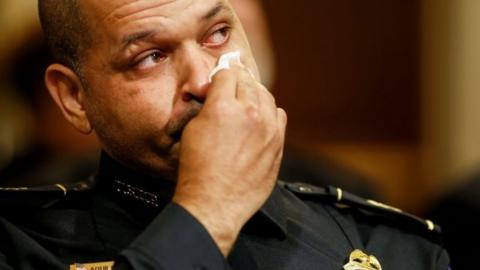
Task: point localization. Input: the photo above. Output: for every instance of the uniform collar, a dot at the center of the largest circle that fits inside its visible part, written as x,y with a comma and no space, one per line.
145,195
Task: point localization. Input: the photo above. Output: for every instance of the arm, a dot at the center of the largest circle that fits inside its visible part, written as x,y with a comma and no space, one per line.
229,160
443,260
230,155
174,240
3,263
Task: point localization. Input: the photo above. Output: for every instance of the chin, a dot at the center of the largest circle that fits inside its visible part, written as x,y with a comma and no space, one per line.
166,169
165,164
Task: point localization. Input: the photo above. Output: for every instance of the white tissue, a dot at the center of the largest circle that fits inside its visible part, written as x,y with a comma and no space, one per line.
224,63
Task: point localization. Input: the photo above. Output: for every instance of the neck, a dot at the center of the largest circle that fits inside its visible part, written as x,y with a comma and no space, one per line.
133,188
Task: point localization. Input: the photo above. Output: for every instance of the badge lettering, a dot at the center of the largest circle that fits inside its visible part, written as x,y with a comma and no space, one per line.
92,266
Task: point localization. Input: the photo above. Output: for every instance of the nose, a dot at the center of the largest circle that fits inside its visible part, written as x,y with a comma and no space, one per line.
194,69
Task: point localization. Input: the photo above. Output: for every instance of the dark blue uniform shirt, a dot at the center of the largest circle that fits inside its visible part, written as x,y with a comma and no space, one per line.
129,219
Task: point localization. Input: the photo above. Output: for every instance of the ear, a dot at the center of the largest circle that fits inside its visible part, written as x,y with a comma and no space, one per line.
67,91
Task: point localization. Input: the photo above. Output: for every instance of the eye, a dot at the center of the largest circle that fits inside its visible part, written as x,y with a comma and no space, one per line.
150,60
218,37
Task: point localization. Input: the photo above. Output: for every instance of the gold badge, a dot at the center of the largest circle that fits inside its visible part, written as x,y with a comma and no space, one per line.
92,266
361,261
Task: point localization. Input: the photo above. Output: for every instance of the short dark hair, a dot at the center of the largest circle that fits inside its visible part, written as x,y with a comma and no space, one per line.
65,29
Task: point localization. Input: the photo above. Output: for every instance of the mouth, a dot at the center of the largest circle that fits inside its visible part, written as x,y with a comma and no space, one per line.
175,127
177,135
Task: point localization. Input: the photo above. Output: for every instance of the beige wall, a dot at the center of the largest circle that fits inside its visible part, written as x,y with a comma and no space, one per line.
15,120
451,94
14,29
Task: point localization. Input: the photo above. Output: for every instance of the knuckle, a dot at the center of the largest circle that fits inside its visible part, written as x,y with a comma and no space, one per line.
278,134
282,115
252,113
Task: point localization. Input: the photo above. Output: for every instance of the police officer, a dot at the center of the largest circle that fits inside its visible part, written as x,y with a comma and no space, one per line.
188,175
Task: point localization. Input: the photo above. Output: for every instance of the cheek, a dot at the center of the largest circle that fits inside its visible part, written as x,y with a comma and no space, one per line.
249,61
132,110
240,42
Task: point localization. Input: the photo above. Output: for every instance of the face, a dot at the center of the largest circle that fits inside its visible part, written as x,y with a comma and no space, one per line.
146,74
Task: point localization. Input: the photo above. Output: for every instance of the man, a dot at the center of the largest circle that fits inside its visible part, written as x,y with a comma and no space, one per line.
188,175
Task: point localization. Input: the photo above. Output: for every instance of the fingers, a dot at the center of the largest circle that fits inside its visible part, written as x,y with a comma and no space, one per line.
254,95
282,121
224,86
247,91
281,127
267,103
237,83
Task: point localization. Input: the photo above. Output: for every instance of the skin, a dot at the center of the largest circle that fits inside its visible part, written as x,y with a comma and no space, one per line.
254,21
144,91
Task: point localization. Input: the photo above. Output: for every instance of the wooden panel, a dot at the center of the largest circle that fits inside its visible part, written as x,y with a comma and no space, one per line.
348,69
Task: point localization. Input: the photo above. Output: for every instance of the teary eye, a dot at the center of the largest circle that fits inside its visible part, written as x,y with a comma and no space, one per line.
150,60
218,37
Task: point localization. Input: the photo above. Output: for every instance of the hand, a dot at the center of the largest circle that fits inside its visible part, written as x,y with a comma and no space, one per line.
230,155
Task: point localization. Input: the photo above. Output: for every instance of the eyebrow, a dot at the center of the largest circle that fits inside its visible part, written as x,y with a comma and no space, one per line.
219,7
129,39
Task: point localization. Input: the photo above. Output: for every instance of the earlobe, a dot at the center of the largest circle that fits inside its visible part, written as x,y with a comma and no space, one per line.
67,91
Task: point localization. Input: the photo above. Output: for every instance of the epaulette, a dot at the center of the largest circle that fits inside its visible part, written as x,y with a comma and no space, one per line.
340,197
41,196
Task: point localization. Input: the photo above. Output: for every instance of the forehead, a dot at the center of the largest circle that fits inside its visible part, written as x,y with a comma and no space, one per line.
112,11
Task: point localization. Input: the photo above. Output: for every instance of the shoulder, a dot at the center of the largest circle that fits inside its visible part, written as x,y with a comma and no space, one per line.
52,205
388,232
342,199
42,196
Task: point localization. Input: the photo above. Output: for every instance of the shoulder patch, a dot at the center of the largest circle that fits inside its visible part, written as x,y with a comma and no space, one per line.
42,196
340,197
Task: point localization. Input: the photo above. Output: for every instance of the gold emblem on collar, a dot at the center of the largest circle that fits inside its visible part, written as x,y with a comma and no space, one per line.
92,266
361,261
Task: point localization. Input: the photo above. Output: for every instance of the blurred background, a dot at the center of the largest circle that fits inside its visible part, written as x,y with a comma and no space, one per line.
381,95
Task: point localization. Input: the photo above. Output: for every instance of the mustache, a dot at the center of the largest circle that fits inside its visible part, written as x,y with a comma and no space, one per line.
175,127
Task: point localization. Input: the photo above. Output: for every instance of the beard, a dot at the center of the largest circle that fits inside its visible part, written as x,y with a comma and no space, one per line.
174,128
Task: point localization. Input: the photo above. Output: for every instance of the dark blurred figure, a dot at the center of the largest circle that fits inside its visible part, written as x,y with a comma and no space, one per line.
458,214
298,166
54,152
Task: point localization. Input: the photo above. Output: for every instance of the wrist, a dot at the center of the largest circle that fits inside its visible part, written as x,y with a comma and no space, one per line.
223,226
